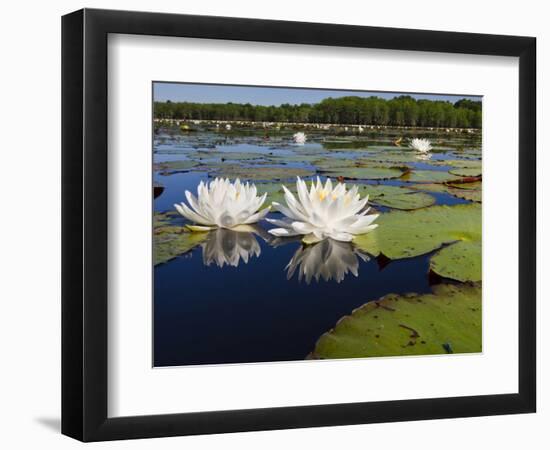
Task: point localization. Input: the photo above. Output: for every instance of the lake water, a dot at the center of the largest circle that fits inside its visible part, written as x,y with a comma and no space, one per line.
207,311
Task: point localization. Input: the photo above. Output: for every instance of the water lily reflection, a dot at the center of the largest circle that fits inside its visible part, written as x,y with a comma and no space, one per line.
328,259
230,247
423,156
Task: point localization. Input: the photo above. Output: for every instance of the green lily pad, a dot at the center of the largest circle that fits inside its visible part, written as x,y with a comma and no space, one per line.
474,195
170,167
414,200
466,172
430,176
474,185
328,164
364,173
460,163
447,321
403,234
262,173
227,156
396,197
460,261
400,157
430,187
283,159
170,241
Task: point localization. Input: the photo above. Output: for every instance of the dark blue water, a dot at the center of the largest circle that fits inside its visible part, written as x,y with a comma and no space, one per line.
252,313
206,314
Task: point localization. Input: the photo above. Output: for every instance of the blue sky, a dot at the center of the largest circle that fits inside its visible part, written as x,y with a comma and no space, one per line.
211,93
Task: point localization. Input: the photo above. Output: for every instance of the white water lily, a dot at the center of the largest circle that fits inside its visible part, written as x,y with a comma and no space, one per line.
222,204
421,145
323,212
328,260
299,138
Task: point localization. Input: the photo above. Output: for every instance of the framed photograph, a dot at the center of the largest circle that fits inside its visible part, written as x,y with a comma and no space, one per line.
274,224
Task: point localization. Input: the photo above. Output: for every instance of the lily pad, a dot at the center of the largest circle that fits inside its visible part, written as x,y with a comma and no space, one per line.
170,241
227,156
403,234
460,261
262,173
466,172
170,167
413,200
460,163
430,176
447,321
430,187
328,164
473,195
394,157
283,159
474,185
396,197
364,173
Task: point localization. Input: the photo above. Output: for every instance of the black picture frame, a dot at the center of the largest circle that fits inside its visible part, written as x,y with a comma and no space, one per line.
84,224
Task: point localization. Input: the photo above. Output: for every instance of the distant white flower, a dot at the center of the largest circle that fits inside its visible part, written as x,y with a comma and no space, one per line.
228,127
222,204
328,260
421,145
323,212
229,247
299,138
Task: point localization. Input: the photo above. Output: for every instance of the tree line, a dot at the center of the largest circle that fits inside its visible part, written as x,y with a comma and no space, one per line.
398,111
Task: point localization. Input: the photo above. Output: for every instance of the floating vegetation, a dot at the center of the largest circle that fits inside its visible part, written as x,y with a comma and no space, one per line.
448,320
262,173
471,194
430,176
171,167
466,172
408,234
364,173
171,241
396,197
429,223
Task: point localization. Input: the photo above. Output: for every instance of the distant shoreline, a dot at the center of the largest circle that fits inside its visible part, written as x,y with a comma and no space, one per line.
321,126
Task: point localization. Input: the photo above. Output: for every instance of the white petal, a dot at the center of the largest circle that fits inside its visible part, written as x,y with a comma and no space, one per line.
341,236
282,232
258,216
